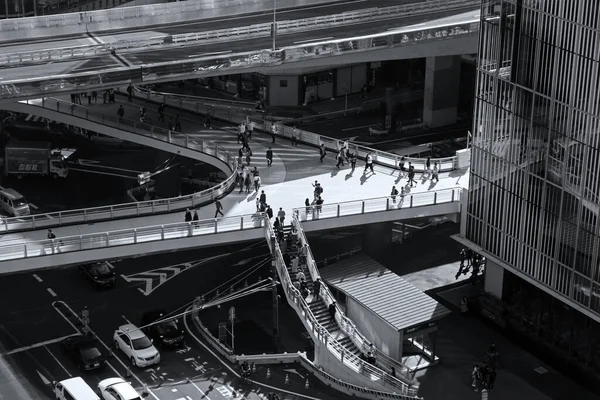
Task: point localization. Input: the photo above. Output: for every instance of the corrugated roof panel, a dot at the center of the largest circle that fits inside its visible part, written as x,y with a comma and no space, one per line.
383,292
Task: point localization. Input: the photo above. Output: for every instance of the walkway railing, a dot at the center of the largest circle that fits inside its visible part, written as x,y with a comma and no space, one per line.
132,236
69,217
378,204
320,334
333,145
346,324
237,62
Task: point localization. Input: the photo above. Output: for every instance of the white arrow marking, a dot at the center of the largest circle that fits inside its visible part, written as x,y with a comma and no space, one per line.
293,371
45,380
88,162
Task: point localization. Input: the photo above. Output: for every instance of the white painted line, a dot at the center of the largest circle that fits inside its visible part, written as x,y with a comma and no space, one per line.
110,265
103,173
58,362
214,53
313,40
234,372
34,206
125,318
67,319
37,278
204,396
189,359
109,349
51,292
358,127
36,345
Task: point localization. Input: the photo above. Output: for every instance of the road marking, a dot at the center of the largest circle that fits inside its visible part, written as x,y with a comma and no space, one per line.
358,127
125,318
45,380
189,359
234,372
102,173
97,163
36,345
109,349
34,206
52,293
37,278
313,40
200,390
58,362
110,265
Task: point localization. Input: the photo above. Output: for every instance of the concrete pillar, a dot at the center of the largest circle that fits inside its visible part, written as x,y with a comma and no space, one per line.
494,279
442,82
376,238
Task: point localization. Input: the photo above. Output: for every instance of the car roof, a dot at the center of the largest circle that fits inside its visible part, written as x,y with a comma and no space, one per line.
121,386
78,388
80,339
132,331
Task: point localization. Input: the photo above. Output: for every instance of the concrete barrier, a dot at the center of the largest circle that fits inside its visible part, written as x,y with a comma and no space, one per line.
138,16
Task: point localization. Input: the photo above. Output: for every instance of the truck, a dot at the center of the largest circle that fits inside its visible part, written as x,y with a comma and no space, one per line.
36,158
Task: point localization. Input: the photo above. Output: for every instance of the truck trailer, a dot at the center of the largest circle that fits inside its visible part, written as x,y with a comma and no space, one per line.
36,158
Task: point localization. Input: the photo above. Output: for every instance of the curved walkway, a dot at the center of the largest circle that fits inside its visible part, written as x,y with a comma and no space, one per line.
287,182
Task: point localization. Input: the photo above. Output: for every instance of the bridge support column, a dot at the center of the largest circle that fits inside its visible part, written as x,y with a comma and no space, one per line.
442,83
376,238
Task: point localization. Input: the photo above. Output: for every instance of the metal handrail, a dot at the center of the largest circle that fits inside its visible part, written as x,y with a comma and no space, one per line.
347,325
320,333
128,209
238,62
131,236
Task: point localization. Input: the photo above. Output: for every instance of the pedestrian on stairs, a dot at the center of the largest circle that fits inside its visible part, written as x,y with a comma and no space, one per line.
300,277
316,289
281,216
269,212
332,311
188,215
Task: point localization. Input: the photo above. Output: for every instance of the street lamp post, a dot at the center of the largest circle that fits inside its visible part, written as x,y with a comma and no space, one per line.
274,22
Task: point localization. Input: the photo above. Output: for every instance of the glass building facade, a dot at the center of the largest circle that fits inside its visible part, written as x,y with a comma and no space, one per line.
535,167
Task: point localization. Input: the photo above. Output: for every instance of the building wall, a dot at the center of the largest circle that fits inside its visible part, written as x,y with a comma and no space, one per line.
377,331
537,105
283,90
351,79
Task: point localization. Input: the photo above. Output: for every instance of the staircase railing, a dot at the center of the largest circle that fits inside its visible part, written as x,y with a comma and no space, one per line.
345,323
320,334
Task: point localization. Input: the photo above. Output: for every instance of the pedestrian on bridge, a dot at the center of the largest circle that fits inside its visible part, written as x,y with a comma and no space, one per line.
120,112
369,164
219,207
130,92
188,215
332,311
161,112
263,197
353,160
281,215
435,172
177,123
322,152
195,218
269,157
294,137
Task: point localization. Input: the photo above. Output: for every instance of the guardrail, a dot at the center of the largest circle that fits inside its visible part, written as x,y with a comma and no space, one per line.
132,236
378,204
345,323
230,63
334,145
320,334
143,208
245,32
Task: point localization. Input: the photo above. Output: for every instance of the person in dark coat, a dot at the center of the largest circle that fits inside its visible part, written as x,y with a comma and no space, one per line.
195,218
263,197
269,211
491,379
332,311
188,215
316,289
269,157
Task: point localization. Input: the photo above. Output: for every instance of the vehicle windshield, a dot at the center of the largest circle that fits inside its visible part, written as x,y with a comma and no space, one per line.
100,269
165,328
19,202
141,343
90,353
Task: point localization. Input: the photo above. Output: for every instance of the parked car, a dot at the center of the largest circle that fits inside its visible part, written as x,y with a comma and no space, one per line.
99,274
167,332
117,389
84,351
134,343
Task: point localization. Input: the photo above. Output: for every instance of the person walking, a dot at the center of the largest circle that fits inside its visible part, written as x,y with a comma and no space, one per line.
300,277
250,129
120,112
263,197
177,123
340,158
273,131
476,378
269,212
207,122
401,165
435,173
247,183
411,176
332,311
104,96
322,152
257,204
195,218
464,306
353,161
316,289
219,207
130,92
188,215
369,164
161,112
256,183
248,155
491,379
269,157
281,215
95,96
427,167
294,137
394,194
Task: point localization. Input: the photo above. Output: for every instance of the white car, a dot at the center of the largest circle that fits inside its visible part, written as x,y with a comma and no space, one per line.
136,346
117,389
